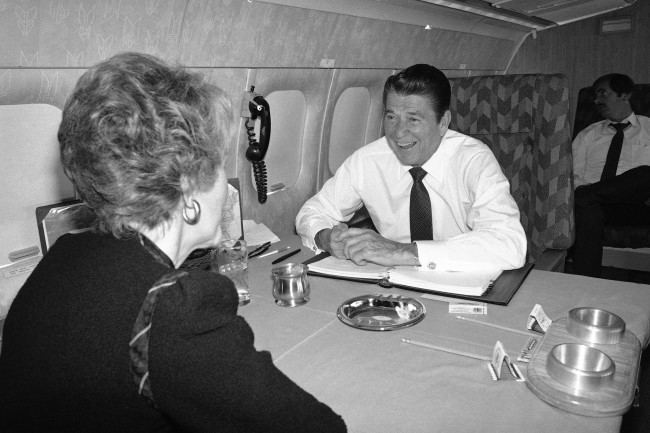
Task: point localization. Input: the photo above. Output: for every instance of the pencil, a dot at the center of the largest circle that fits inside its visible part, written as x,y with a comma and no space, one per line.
259,250
445,349
279,250
286,256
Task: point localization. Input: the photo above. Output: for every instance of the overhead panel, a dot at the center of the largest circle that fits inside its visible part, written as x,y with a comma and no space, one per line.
499,18
485,9
558,11
416,12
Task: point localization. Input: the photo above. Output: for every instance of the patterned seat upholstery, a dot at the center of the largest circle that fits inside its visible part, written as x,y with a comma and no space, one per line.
525,121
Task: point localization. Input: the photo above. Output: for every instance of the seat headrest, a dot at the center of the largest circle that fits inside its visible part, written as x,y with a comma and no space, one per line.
586,112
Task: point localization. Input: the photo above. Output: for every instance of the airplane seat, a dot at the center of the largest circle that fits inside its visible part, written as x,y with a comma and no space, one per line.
626,247
32,176
524,119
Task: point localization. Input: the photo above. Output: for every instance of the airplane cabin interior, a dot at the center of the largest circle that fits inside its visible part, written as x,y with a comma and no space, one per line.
520,71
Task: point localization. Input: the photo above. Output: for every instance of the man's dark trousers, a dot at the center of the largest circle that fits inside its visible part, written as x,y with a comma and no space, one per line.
619,201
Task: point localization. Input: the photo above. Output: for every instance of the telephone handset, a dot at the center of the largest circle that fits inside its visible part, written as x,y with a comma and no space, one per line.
256,151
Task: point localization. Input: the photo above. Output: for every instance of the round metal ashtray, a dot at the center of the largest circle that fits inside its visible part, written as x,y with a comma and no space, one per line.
580,367
381,312
595,325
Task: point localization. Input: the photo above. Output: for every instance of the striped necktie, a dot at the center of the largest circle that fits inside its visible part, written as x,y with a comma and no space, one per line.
614,152
420,207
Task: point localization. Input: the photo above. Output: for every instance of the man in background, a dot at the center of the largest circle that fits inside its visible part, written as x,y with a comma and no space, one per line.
438,198
611,170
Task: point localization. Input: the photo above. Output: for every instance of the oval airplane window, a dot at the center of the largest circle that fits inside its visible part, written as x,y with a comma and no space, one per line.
349,123
288,111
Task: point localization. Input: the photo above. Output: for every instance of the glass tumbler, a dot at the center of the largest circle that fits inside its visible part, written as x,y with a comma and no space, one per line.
231,259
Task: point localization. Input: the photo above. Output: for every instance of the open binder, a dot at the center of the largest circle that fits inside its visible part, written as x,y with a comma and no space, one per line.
495,288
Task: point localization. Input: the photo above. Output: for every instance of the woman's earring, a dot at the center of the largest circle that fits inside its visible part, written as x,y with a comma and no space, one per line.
195,210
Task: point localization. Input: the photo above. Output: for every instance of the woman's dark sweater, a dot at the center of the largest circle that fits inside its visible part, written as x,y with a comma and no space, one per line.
65,363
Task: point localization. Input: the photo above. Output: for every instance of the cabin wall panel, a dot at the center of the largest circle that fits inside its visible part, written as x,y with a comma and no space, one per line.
68,33
233,82
279,212
37,86
46,183
373,81
53,86
266,35
211,33
582,54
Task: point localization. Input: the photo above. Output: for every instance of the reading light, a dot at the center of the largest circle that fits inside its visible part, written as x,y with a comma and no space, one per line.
498,14
615,25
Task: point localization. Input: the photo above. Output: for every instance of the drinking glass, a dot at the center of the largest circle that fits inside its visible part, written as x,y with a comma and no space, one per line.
231,259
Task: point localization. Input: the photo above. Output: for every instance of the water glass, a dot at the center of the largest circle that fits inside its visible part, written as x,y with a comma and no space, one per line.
231,259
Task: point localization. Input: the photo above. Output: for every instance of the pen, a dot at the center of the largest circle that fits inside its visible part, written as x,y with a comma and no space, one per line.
259,250
286,256
492,325
279,250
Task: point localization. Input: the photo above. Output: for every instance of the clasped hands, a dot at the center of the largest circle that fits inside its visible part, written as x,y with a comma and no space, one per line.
364,245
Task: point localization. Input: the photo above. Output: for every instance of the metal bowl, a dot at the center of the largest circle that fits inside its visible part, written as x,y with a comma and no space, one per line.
594,325
580,367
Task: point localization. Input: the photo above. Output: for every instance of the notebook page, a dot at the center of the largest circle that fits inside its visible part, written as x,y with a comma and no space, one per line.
467,283
346,268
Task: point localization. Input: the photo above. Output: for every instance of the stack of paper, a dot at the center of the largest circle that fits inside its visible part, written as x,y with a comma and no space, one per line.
12,278
257,233
347,269
467,283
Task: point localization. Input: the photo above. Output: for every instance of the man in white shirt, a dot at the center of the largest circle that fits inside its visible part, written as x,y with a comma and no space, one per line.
472,219
612,181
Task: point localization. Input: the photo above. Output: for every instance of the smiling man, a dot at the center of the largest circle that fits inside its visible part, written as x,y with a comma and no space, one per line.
611,171
437,198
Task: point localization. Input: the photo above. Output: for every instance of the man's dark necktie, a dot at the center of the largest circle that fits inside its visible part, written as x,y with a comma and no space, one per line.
614,152
421,225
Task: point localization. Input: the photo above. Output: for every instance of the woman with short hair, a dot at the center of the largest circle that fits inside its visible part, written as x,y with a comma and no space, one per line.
109,333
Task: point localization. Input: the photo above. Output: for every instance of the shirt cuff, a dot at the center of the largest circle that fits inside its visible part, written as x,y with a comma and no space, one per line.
440,256
309,237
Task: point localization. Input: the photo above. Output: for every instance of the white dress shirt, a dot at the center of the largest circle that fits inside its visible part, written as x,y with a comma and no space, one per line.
591,145
475,219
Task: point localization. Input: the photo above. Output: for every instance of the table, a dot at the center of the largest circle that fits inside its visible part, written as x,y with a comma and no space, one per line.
380,384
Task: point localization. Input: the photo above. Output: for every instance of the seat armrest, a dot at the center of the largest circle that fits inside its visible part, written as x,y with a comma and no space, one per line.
627,236
551,260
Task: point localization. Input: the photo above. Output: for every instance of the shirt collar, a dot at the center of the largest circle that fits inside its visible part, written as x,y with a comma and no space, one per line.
433,163
631,118
155,252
